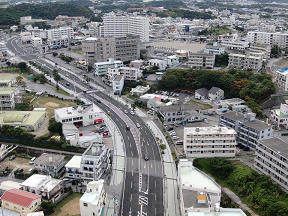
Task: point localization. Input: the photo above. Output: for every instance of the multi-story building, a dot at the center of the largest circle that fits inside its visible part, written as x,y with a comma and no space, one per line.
122,48
101,68
51,164
140,90
73,168
60,36
8,97
247,62
36,41
214,49
263,48
119,26
178,113
129,73
118,84
81,115
201,60
278,38
232,102
235,45
272,160
95,162
93,200
172,61
249,130
202,142
280,116
161,64
282,79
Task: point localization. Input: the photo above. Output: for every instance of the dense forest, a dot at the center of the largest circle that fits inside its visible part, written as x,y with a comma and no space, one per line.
185,14
252,87
257,191
11,15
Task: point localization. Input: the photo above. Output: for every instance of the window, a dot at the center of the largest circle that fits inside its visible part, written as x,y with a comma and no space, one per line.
7,204
36,204
85,204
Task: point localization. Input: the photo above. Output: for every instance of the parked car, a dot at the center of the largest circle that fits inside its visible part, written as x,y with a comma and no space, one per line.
170,128
99,101
20,170
179,142
126,111
29,171
132,113
12,157
5,168
32,160
172,134
176,125
137,125
127,128
146,158
175,137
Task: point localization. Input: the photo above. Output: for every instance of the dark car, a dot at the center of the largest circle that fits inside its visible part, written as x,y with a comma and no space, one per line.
5,168
12,157
98,101
127,128
146,158
20,170
169,128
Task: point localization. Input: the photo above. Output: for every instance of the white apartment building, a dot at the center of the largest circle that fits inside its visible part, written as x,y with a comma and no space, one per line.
118,84
282,79
81,115
8,97
73,167
119,26
93,200
60,32
214,49
101,68
249,130
202,142
172,60
278,38
261,48
235,45
161,64
247,62
36,41
232,102
95,162
280,116
201,60
129,73
271,159
139,90
7,81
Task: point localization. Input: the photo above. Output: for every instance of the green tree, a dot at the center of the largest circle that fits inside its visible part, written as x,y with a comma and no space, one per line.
22,106
8,63
162,147
133,106
48,207
57,78
55,127
275,51
22,66
221,60
55,54
19,79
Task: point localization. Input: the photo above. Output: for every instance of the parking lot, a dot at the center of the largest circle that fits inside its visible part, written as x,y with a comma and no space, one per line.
16,163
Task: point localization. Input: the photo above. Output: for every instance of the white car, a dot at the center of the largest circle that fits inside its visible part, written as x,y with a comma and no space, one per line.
172,134
125,111
138,125
175,137
132,113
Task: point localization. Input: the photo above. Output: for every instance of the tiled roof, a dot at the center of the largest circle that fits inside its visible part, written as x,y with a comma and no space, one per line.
19,197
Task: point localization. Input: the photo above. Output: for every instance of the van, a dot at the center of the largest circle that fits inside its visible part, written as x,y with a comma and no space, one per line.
32,160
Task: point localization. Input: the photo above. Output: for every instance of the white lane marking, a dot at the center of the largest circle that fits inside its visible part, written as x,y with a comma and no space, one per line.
116,118
132,173
131,184
132,162
155,196
151,165
131,198
128,137
132,153
155,184
121,124
155,211
130,145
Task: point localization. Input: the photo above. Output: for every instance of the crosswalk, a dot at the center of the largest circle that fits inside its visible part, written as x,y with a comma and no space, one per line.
140,181
143,200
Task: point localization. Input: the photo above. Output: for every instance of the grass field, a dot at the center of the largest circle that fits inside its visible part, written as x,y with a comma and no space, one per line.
77,51
69,206
203,106
51,103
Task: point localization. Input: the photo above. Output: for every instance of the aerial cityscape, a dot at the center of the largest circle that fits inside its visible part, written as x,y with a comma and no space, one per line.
144,107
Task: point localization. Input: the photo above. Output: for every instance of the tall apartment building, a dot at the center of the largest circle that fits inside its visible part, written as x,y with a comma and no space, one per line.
202,142
201,60
101,68
60,36
235,45
278,38
130,73
120,26
261,48
95,162
272,160
249,130
282,79
247,62
122,48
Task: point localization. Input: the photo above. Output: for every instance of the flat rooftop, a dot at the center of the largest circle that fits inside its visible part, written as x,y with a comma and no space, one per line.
6,79
233,100
77,110
208,130
191,199
236,116
7,90
191,47
41,181
184,107
195,178
74,162
223,212
277,145
49,159
19,116
118,78
257,124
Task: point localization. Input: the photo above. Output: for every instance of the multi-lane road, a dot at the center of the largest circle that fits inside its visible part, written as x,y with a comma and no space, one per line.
143,186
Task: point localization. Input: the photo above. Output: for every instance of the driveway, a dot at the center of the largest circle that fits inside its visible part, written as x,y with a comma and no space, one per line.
17,163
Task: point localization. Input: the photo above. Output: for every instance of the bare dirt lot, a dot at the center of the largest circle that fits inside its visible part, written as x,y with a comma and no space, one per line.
17,163
281,63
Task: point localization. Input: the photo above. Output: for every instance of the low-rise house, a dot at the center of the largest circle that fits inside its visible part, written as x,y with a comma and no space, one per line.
202,142
154,102
178,113
27,120
36,41
215,93
49,188
280,116
272,160
8,97
136,63
95,162
118,84
129,73
201,93
83,141
172,61
73,167
140,90
232,102
161,64
51,164
93,200
81,115
20,201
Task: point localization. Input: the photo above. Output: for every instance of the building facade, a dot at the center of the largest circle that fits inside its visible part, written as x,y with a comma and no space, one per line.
119,26
198,60
282,79
202,142
277,38
272,160
263,48
247,62
280,116
215,93
129,73
101,68
8,97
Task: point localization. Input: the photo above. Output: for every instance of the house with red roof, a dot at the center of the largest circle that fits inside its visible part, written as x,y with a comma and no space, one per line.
20,201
